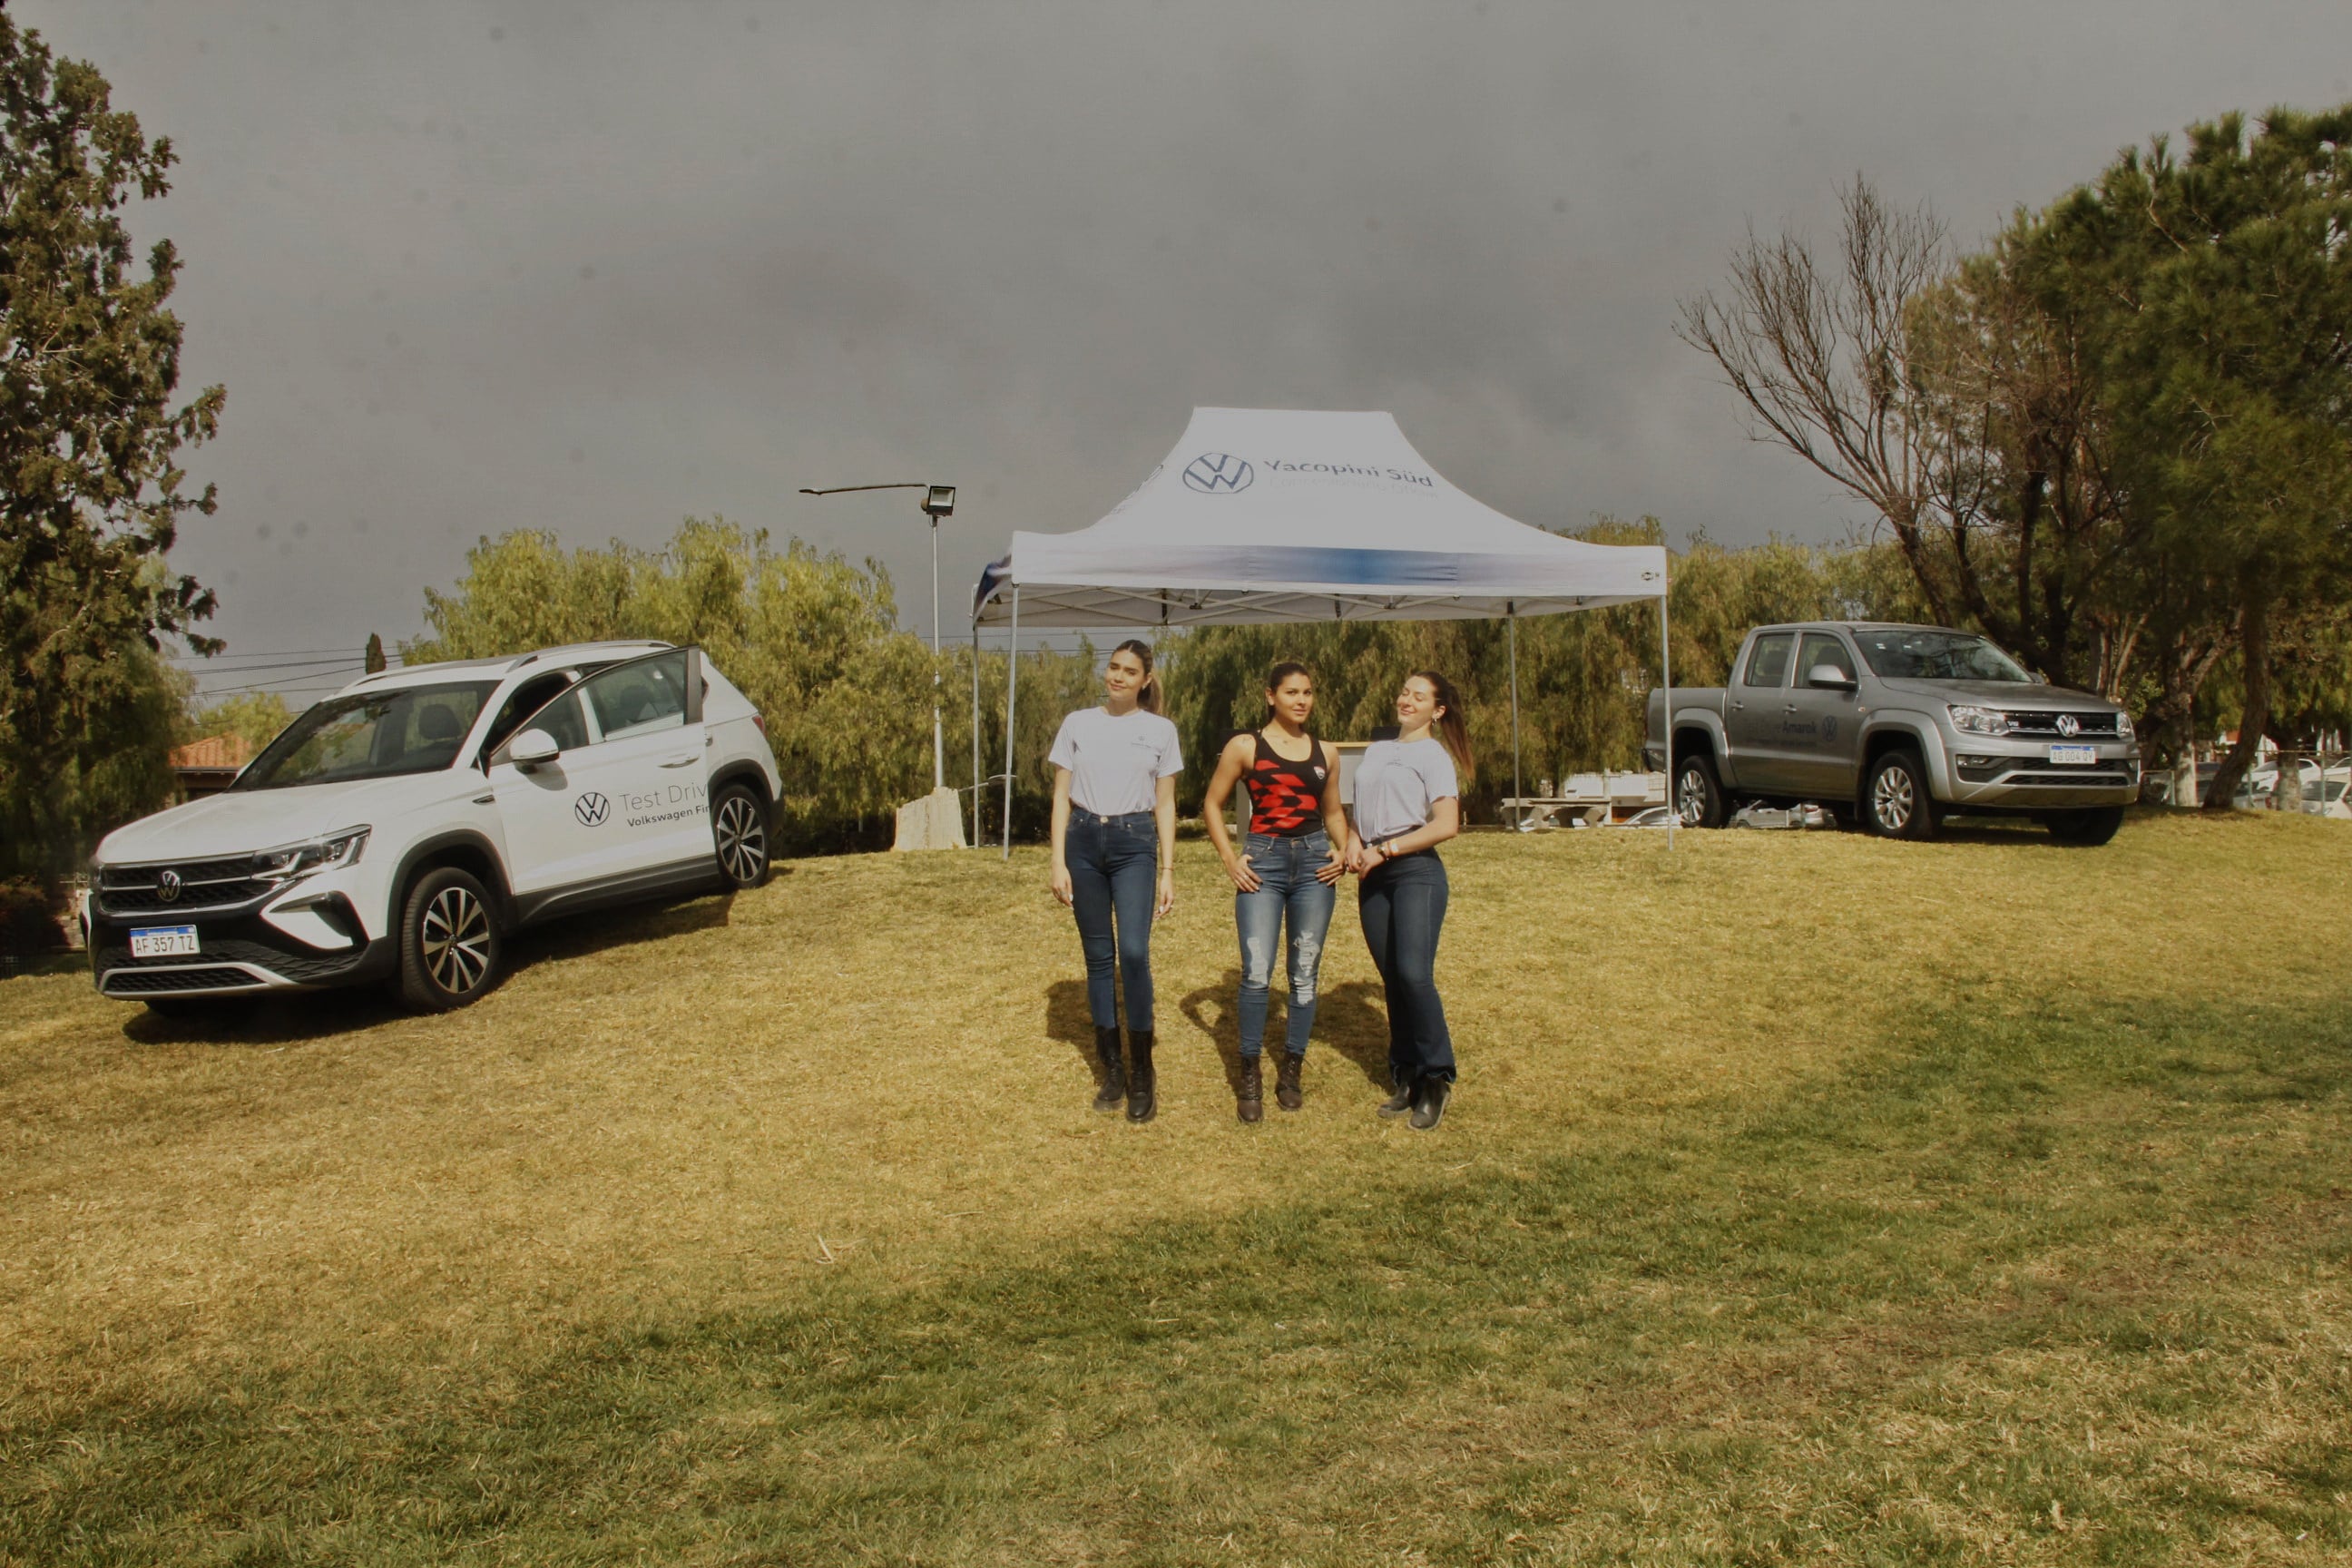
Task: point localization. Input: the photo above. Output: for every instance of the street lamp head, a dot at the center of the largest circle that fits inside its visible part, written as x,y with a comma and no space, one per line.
941,502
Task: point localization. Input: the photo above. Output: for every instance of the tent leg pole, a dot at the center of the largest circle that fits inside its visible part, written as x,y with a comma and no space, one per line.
1512,611
1666,685
1011,690
975,733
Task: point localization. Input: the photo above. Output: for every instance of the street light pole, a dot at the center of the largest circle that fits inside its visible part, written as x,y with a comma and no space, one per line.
939,502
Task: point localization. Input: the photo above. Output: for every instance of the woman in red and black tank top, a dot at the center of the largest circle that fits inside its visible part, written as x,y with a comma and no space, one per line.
1283,874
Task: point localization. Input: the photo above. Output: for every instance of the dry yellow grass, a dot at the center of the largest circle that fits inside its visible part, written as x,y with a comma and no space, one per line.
875,1067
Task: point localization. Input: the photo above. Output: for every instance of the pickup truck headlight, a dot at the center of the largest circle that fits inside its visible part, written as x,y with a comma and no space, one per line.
2123,727
299,860
1969,720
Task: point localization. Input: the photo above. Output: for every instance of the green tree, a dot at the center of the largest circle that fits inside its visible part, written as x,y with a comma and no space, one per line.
2227,353
812,639
92,491
254,717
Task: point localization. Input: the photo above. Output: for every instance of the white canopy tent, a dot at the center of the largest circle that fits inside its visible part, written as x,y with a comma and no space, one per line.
1273,516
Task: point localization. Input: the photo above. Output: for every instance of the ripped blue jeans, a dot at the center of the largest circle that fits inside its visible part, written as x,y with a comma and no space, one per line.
1287,887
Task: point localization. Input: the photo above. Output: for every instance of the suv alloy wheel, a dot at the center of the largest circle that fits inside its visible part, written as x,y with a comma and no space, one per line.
449,949
739,827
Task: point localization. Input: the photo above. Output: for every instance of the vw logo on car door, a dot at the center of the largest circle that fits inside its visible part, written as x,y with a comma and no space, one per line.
590,809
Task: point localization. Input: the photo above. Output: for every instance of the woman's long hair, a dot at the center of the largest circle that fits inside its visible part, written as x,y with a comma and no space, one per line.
1273,679
1147,696
1453,729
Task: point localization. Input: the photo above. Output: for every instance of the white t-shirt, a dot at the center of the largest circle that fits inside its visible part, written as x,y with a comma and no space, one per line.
1396,783
1116,763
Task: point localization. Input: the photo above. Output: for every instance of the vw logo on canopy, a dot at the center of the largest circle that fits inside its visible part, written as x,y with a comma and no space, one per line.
1213,471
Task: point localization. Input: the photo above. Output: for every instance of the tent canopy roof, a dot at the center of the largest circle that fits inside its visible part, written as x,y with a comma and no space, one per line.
1285,515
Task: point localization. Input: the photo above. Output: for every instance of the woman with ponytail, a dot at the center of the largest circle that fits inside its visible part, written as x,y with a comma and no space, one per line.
1115,770
1408,802
1290,865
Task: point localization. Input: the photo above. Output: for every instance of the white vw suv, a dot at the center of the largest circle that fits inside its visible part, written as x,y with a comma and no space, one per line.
399,830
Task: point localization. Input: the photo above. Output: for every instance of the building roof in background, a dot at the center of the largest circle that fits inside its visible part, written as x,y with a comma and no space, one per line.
214,752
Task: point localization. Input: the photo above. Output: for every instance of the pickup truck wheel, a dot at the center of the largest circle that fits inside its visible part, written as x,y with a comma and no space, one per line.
2088,829
1896,802
449,953
1699,798
739,825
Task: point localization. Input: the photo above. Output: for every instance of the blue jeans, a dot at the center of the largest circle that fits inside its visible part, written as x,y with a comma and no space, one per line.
1286,885
1114,869
1402,904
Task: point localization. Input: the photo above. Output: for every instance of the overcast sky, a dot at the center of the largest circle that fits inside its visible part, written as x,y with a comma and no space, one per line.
595,267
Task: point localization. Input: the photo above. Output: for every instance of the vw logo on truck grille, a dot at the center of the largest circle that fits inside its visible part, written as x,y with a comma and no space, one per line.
2069,725
590,809
167,886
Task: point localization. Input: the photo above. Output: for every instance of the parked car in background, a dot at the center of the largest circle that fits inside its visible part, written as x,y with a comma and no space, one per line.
403,828
1896,726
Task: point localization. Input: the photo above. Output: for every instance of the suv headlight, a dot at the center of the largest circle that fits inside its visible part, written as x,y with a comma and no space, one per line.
1970,720
296,860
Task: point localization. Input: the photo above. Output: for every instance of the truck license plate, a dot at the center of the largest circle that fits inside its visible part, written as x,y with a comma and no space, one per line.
2073,753
163,941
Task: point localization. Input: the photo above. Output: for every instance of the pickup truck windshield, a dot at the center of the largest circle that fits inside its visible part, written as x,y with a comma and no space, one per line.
372,735
1913,654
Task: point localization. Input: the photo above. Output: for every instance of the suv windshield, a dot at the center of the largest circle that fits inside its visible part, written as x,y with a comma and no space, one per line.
1908,654
372,735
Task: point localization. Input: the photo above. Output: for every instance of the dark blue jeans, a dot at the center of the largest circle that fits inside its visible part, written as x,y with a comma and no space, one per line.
1114,865
1286,885
1403,903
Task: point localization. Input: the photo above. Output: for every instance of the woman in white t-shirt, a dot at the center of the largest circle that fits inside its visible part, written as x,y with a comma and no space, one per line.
1115,770
1408,802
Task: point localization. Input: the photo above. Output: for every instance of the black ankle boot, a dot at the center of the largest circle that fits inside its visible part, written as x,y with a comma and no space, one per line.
1249,1100
1140,1080
1114,1083
1286,1092
1430,1107
1397,1104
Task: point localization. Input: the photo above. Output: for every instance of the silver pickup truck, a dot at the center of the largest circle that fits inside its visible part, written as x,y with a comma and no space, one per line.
1900,726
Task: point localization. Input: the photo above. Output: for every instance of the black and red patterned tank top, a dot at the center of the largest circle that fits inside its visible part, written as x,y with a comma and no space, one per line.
1286,796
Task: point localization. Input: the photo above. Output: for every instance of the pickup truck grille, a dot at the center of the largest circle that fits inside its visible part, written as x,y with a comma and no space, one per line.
2038,723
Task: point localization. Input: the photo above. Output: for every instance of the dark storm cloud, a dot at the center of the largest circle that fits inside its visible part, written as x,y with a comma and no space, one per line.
467,269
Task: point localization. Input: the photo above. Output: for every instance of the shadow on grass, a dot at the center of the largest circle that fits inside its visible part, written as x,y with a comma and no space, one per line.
294,1018
1349,1019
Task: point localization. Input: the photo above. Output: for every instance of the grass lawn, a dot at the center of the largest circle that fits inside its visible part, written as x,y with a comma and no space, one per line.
1807,1199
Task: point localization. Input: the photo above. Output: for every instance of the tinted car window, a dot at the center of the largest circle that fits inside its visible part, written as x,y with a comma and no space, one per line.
1823,648
639,698
520,704
1911,652
370,735
1768,661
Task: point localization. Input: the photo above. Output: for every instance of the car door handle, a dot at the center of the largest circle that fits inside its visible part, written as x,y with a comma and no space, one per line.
1788,708
681,761
1739,706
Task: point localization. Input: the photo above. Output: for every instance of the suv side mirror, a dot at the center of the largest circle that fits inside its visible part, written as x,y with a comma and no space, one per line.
1829,677
532,748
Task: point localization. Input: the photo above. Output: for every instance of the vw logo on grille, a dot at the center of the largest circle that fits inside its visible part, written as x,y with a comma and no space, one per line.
167,886
2069,725
1213,471
590,809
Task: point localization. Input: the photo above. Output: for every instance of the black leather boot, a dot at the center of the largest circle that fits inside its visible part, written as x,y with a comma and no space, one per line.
1407,1091
1114,1083
1430,1108
1286,1092
1249,1100
1140,1080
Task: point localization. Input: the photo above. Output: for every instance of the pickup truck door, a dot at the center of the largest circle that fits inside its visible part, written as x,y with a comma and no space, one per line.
1820,733
1753,710
627,794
